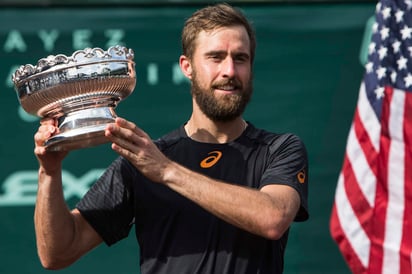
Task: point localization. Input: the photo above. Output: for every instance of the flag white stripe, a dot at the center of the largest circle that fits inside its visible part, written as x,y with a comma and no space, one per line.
395,208
368,117
351,227
360,165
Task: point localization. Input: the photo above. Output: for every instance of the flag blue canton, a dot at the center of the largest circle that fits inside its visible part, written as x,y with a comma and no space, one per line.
389,60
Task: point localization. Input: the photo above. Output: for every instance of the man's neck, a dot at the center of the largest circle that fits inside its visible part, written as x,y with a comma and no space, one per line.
204,130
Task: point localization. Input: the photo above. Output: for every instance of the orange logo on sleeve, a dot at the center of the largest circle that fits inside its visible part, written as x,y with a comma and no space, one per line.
211,160
301,176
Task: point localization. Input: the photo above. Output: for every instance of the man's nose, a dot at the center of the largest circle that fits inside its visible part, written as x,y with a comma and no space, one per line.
228,67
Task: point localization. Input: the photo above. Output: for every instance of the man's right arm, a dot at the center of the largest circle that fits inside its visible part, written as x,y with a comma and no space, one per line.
62,236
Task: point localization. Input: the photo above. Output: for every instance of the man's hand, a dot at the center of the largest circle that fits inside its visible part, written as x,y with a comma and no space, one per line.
50,161
136,146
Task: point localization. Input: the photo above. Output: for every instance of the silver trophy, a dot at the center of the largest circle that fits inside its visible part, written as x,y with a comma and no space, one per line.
81,91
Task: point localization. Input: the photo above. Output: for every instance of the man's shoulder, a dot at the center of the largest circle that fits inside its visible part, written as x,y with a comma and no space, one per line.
269,137
170,138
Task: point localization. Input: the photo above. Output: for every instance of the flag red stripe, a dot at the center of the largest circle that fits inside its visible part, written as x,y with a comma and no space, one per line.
366,144
338,234
355,195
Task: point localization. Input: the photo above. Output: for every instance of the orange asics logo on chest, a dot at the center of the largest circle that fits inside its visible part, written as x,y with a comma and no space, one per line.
211,160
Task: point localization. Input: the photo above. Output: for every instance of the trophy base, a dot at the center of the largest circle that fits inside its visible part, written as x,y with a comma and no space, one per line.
81,129
76,139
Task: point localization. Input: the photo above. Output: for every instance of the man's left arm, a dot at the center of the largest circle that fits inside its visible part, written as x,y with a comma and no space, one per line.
267,212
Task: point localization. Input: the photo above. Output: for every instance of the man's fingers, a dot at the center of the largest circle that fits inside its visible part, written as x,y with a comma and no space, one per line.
48,121
43,133
47,128
125,130
123,123
124,151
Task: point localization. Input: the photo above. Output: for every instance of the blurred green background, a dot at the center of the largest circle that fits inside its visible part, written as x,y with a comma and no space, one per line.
307,76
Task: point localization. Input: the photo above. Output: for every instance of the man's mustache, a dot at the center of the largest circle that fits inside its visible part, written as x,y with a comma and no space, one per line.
227,82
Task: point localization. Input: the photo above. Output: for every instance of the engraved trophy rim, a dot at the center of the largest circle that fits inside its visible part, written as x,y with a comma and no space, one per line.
81,91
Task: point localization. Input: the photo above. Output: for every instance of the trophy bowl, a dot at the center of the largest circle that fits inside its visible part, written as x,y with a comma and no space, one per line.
81,91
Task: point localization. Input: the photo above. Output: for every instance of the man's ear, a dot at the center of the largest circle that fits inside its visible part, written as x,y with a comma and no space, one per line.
186,66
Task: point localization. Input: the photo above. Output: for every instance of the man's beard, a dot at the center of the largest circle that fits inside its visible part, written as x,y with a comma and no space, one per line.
223,108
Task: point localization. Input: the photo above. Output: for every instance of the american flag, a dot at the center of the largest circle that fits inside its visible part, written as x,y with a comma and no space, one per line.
371,219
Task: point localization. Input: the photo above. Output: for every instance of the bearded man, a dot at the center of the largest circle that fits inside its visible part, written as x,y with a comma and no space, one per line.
216,195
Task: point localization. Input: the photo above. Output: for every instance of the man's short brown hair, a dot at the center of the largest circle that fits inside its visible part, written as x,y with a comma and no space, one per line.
211,18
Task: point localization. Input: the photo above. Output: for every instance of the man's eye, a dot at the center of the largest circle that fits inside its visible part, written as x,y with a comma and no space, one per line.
241,59
215,57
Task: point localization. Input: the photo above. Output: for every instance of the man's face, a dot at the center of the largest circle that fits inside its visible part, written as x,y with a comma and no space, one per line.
222,75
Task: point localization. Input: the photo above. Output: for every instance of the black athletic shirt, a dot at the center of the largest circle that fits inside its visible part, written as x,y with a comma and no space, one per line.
177,236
